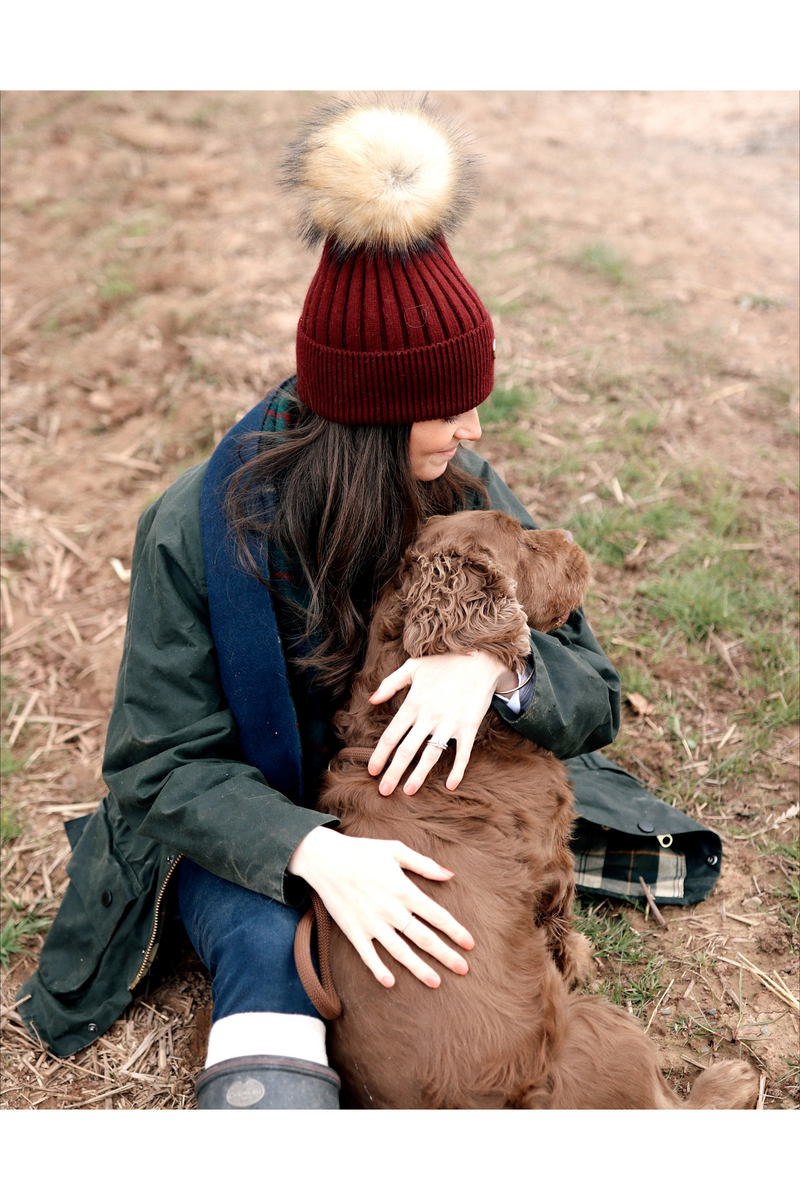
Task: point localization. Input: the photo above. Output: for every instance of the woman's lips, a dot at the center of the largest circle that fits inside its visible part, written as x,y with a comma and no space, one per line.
447,453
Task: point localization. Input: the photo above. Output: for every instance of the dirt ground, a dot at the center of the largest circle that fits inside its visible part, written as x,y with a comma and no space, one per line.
152,283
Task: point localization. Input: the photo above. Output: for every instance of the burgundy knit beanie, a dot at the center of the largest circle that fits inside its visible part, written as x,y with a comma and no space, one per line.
391,331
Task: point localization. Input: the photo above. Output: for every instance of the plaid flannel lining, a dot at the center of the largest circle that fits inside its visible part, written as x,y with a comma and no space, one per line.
600,865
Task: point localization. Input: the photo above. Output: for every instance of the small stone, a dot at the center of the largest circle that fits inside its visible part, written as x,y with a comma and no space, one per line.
766,1031
711,1012
666,1012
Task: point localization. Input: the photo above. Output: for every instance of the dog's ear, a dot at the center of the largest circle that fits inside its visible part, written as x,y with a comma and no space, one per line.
461,602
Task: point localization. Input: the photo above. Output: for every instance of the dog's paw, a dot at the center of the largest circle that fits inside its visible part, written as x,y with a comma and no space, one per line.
578,964
725,1085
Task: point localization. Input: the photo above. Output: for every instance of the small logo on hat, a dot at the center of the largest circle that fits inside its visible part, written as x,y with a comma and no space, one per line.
416,317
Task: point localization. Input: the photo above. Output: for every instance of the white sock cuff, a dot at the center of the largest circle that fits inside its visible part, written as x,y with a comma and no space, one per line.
287,1034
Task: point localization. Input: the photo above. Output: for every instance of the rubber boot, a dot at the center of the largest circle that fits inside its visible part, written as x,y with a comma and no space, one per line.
267,1081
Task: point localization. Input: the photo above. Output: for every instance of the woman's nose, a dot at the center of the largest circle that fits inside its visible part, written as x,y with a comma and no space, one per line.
469,426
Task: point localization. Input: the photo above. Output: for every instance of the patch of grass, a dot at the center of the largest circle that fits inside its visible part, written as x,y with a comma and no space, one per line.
611,532
758,302
793,1063
10,827
694,601
643,421
15,549
630,972
8,763
661,310
15,933
603,260
787,850
636,677
781,389
506,404
694,360
116,284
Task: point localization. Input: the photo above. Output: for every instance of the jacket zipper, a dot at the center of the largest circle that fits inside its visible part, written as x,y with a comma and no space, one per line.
152,946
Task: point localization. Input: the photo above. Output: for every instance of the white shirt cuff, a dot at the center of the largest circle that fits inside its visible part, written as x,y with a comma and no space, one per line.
514,700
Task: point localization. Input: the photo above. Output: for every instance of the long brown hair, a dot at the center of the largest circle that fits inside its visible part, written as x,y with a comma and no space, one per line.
347,506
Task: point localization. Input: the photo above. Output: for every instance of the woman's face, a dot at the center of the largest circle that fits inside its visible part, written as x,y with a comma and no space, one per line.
431,444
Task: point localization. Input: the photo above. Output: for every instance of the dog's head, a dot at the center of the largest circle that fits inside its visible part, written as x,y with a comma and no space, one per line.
479,579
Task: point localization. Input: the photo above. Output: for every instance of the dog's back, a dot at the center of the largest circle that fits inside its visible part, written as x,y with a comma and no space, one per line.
473,1040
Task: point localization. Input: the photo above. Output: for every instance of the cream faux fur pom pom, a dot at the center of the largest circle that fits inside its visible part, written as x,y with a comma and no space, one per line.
379,174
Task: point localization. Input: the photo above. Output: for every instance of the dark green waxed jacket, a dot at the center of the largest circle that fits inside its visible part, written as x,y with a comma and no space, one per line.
178,785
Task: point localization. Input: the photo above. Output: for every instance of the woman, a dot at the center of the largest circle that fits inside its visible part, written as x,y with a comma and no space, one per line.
253,578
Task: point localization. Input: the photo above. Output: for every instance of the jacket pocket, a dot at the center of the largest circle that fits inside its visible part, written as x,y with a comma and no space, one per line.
100,893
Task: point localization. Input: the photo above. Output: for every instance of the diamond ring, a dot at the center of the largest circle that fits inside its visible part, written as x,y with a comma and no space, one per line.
432,741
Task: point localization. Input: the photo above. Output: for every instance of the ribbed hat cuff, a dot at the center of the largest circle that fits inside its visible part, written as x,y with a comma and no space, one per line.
397,387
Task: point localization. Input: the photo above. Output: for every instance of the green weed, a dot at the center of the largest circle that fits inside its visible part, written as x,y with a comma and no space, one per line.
8,763
630,972
636,677
760,303
10,827
506,404
117,285
15,549
793,1063
603,260
694,360
662,311
782,389
16,932
644,421
610,533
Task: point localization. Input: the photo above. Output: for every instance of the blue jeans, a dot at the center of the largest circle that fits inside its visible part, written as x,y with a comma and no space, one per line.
246,942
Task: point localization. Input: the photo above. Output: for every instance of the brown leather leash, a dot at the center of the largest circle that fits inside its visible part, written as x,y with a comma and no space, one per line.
322,992
359,754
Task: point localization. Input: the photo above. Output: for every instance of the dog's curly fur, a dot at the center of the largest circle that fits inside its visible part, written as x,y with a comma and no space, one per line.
509,1034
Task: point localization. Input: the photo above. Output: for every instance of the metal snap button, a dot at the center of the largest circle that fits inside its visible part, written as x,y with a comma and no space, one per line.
107,899
646,826
92,1027
712,860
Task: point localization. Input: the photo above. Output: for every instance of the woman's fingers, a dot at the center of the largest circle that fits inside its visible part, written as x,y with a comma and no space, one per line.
448,697
424,937
403,756
365,889
420,905
395,731
428,760
372,962
399,679
460,764
402,952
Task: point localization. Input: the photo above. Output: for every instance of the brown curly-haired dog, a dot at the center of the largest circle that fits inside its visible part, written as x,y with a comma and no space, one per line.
508,1034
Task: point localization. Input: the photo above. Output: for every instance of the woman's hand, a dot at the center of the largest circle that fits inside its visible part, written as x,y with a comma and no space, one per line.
448,698
361,883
